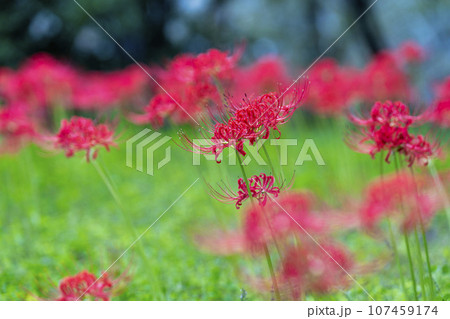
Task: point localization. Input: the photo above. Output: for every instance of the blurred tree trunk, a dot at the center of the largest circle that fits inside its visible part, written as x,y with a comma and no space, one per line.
368,24
312,9
155,14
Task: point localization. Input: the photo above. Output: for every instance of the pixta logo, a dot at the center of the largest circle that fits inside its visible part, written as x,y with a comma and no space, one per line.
143,145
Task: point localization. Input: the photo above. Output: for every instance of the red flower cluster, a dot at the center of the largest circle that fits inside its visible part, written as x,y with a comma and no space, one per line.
335,88
260,186
105,90
84,285
191,82
266,75
302,268
387,129
397,197
16,127
441,109
410,52
384,78
81,134
261,226
250,120
42,81
308,269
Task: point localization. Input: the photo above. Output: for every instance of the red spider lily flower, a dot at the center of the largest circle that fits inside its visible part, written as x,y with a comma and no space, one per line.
387,129
42,81
99,90
232,134
250,120
16,127
410,52
160,107
260,186
6,77
81,134
400,197
383,78
216,63
192,82
84,285
418,150
308,269
333,88
264,113
261,226
441,110
267,74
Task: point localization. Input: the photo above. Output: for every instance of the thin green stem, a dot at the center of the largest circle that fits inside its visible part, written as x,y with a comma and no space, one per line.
272,233
59,112
441,190
411,267
408,250
266,250
427,256
108,185
397,260
392,238
420,263
245,176
424,239
272,273
266,153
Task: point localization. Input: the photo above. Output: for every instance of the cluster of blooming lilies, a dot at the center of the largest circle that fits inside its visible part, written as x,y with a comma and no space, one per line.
293,230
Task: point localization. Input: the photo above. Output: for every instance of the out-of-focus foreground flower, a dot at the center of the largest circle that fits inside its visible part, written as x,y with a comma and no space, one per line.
402,198
85,285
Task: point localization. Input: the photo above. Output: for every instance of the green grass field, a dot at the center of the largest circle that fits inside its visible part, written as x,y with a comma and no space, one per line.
58,218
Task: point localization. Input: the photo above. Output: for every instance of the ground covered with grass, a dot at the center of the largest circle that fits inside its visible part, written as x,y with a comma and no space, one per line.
58,218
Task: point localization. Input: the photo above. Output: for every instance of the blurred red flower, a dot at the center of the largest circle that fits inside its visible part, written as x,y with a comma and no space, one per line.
81,134
266,75
103,90
410,52
42,81
383,78
84,285
193,82
306,268
440,112
263,226
16,127
400,197
333,87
